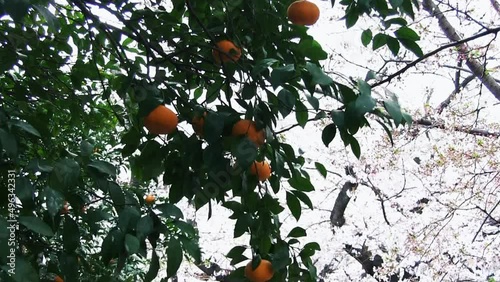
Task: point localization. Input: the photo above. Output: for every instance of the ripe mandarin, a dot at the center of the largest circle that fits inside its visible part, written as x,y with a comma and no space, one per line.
261,169
226,51
150,199
303,12
249,129
263,272
161,120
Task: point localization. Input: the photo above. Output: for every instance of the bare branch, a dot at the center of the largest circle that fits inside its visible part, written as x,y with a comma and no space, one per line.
457,90
432,53
475,131
484,221
474,65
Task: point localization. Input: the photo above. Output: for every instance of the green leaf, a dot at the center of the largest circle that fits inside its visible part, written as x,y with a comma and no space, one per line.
174,257
128,218
405,32
24,189
154,266
394,110
241,226
67,172
301,183
26,127
170,210
51,20
9,143
236,254
294,205
412,46
103,167
192,248
71,235
54,200
24,271
117,195
297,232
17,9
262,65
364,103
214,126
328,134
379,40
303,198
245,152
313,101
132,244
393,45
8,58
311,49
236,251
287,101
282,74
396,3
318,76
366,37
86,148
249,91
144,227
370,75
37,225
407,118
407,8
351,18
321,168
301,113
312,246
389,133
364,88
355,146
396,21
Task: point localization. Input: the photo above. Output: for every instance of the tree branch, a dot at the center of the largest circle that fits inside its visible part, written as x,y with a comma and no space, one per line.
457,90
475,131
474,65
432,53
495,5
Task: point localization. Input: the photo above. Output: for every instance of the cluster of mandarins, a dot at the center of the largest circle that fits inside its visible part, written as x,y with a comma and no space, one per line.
162,120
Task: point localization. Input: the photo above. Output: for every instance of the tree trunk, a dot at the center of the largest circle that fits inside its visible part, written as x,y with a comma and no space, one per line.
337,215
474,65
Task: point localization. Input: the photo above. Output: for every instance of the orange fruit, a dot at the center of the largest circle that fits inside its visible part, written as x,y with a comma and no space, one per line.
247,127
261,169
161,120
226,51
303,12
263,272
150,199
58,279
198,123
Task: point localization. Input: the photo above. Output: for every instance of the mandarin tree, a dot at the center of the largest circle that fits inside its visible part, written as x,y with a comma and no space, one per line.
90,89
